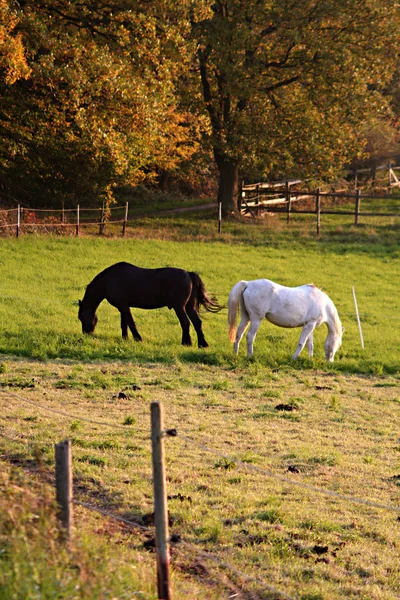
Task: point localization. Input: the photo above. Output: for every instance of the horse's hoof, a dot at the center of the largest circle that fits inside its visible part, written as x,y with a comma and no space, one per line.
203,345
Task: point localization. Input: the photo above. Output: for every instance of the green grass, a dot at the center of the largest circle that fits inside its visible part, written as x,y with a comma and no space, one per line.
338,430
35,564
43,278
344,439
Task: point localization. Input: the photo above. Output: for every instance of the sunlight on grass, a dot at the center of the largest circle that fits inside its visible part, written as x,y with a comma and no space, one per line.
331,426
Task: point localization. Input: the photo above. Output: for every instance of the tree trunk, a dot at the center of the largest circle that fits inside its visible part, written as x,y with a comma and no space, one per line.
228,187
163,180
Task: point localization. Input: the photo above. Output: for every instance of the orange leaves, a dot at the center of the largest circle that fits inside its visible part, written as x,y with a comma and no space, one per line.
13,62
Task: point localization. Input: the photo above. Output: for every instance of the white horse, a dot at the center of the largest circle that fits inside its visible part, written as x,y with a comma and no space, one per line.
305,306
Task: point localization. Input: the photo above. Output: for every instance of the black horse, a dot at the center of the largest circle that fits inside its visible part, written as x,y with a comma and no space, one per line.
125,285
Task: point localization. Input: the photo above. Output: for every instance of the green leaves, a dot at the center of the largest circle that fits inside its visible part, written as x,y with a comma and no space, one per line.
287,85
101,94
98,108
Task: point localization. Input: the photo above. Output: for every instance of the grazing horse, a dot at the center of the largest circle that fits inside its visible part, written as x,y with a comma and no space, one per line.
124,285
305,306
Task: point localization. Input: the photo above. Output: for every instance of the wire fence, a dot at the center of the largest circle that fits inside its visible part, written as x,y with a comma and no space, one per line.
64,221
174,433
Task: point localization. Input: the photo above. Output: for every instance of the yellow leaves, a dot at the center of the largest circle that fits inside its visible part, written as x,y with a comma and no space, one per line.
12,53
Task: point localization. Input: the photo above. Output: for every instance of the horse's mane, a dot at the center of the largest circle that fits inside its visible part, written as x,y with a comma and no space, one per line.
335,316
317,287
91,286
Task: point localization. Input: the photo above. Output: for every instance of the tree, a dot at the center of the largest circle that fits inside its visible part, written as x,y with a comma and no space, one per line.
98,107
381,144
287,84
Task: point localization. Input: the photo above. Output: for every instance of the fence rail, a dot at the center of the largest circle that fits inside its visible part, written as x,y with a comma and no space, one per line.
263,197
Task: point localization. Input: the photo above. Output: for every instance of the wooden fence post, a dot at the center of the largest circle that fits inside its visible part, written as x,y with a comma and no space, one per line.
102,220
77,219
288,200
357,207
219,216
125,220
160,503
257,200
318,209
240,196
63,457
18,221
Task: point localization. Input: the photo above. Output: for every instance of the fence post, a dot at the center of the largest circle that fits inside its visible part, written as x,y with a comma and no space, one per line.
18,220
125,219
62,213
288,200
102,222
160,503
357,208
63,457
240,196
77,219
219,216
358,317
257,200
318,209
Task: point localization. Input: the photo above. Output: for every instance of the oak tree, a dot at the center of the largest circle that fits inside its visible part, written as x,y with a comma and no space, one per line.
287,84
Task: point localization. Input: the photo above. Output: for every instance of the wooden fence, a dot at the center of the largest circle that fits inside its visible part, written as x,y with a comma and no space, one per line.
283,198
65,500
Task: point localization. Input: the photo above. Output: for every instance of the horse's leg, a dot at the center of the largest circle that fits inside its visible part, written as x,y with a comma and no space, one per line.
124,326
305,333
185,324
310,344
127,321
244,321
251,335
197,324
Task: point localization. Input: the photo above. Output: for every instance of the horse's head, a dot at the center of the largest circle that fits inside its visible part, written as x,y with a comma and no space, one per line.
87,317
333,343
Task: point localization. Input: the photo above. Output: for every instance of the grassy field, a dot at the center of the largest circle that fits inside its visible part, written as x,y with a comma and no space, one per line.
248,431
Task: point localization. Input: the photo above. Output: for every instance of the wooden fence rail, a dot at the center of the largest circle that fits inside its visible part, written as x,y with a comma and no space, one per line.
257,198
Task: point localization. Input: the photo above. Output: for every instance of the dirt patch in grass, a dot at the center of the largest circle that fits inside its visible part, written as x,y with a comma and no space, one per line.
250,514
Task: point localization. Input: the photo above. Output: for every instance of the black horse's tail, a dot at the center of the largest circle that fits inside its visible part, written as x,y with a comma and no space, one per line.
200,295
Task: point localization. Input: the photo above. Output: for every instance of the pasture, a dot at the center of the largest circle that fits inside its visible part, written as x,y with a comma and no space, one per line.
328,426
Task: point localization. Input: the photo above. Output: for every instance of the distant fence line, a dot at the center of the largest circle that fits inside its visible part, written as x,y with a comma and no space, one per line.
282,198
277,198
21,219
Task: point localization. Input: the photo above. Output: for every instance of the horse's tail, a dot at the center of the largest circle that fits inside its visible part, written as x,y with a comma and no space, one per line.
201,296
235,298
